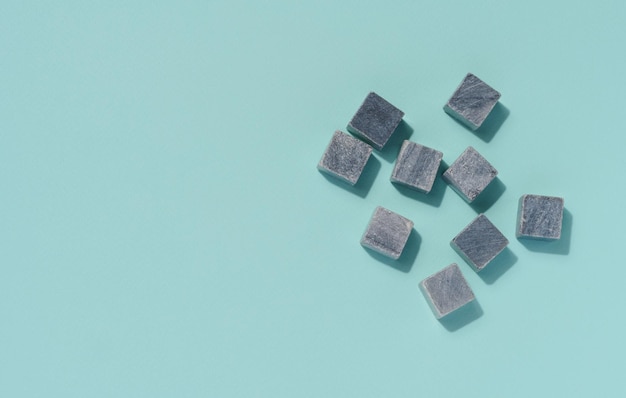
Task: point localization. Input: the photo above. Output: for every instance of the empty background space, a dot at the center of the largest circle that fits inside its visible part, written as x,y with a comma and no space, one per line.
165,232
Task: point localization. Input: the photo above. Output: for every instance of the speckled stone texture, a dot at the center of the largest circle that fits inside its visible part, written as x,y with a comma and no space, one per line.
416,166
470,174
472,102
446,291
479,242
345,157
540,217
375,120
387,233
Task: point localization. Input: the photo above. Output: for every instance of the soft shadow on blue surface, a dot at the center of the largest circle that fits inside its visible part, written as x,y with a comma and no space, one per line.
391,149
498,266
407,258
463,316
489,196
435,196
492,124
365,182
560,246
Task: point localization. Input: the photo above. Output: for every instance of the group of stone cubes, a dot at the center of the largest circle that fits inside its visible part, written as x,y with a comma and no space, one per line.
470,104
387,233
374,122
478,244
539,217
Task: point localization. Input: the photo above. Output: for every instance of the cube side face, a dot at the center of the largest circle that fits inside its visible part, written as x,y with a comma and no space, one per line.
470,174
479,243
540,217
446,291
520,210
416,166
345,157
430,300
387,233
472,101
375,120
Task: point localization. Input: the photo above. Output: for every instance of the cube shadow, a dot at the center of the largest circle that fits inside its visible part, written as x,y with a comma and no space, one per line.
493,123
498,266
462,317
403,132
365,182
406,260
489,196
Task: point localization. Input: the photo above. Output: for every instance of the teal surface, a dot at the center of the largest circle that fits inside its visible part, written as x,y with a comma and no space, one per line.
165,232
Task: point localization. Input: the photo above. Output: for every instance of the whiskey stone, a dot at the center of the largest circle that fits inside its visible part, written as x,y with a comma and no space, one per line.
375,120
446,291
345,157
470,174
416,166
472,102
540,217
479,242
387,233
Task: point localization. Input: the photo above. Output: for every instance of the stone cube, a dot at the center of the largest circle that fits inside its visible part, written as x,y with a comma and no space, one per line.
375,120
345,157
540,217
479,242
472,102
446,291
387,233
416,166
470,174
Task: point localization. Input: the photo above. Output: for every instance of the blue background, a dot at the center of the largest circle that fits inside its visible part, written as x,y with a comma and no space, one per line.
165,231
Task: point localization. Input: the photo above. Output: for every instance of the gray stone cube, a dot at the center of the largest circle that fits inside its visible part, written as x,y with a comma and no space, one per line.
416,166
446,291
375,120
470,174
472,102
479,242
345,157
540,217
387,233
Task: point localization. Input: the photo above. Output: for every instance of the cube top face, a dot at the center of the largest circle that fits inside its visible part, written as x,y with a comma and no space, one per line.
479,242
446,291
540,217
416,166
387,233
375,120
470,174
472,102
345,157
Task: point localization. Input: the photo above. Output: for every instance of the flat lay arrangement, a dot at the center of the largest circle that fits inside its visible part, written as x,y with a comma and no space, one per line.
539,217
312,199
